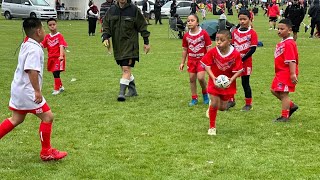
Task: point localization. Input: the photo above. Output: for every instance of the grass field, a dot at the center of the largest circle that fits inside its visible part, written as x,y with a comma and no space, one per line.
156,135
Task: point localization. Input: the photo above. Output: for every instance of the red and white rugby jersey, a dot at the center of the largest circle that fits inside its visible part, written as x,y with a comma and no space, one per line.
53,43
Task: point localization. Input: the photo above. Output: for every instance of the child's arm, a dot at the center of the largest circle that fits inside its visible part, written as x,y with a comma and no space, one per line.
235,75
293,76
33,76
210,73
62,53
249,53
183,60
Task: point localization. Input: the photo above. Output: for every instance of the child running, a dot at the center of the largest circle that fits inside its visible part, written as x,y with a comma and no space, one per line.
286,62
245,40
222,59
26,95
195,45
55,43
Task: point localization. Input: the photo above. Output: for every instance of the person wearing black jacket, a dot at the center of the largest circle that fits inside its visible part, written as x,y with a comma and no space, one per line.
314,13
157,11
173,8
194,7
295,12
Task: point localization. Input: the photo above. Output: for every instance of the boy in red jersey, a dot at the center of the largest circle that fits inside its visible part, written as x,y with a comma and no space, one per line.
273,13
222,59
26,96
195,45
286,62
55,43
245,40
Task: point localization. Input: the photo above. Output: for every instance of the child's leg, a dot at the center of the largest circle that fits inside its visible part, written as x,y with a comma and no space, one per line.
45,129
213,109
202,81
193,88
245,80
47,152
57,80
285,102
8,124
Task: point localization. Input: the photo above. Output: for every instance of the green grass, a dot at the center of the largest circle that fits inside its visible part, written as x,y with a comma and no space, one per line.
156,135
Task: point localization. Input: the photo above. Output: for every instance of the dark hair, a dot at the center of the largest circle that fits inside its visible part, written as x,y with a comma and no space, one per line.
245,12
30,25
196,16
287,22
225,32
51,19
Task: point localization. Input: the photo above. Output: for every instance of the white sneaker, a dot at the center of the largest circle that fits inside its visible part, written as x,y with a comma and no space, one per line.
61,89
270,28
212,132
55,92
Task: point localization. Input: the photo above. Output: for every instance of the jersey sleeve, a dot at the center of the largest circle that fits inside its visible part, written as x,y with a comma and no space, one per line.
238,63
62,41
207,59
207,39
254,38
184,41
32,61
289,53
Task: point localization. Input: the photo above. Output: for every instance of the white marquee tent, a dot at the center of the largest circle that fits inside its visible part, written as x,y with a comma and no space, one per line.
77,8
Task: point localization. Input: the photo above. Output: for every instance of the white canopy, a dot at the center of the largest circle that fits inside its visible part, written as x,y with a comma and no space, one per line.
79,6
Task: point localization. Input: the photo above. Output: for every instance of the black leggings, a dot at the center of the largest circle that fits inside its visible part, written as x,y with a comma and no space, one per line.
56,74
245,80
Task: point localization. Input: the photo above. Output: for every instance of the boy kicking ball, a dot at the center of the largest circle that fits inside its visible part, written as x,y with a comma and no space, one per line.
26,95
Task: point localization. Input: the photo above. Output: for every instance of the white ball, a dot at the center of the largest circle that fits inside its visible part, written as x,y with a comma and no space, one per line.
222,81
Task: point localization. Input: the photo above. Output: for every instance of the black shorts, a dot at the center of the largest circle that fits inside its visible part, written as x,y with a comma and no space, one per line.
295,28
127,62
273,19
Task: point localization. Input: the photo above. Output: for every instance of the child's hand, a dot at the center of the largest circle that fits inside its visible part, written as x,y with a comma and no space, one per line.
294,78
106,43
146,48
38,97
181,67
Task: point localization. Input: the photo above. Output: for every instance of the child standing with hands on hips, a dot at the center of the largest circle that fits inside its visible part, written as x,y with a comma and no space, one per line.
221,60
26,95
286,62
195,45
55,43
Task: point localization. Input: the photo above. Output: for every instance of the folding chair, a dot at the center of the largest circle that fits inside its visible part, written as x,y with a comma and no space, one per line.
173,29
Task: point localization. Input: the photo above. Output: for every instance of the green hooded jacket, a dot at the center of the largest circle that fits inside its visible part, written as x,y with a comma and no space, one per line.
123,25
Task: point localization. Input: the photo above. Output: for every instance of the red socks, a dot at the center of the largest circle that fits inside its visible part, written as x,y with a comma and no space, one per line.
194,96
5,127
57,83
285,113
248,101
213,115
45,135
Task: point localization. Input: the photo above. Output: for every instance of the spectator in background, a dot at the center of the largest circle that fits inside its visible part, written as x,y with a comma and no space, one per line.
157,11
92,14
193,7
173,8
314,13
105,7
146,10
295,12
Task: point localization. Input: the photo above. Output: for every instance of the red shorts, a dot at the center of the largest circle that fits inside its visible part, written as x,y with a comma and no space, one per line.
40,110
54,64
195,66
246,71
281,87
223,97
